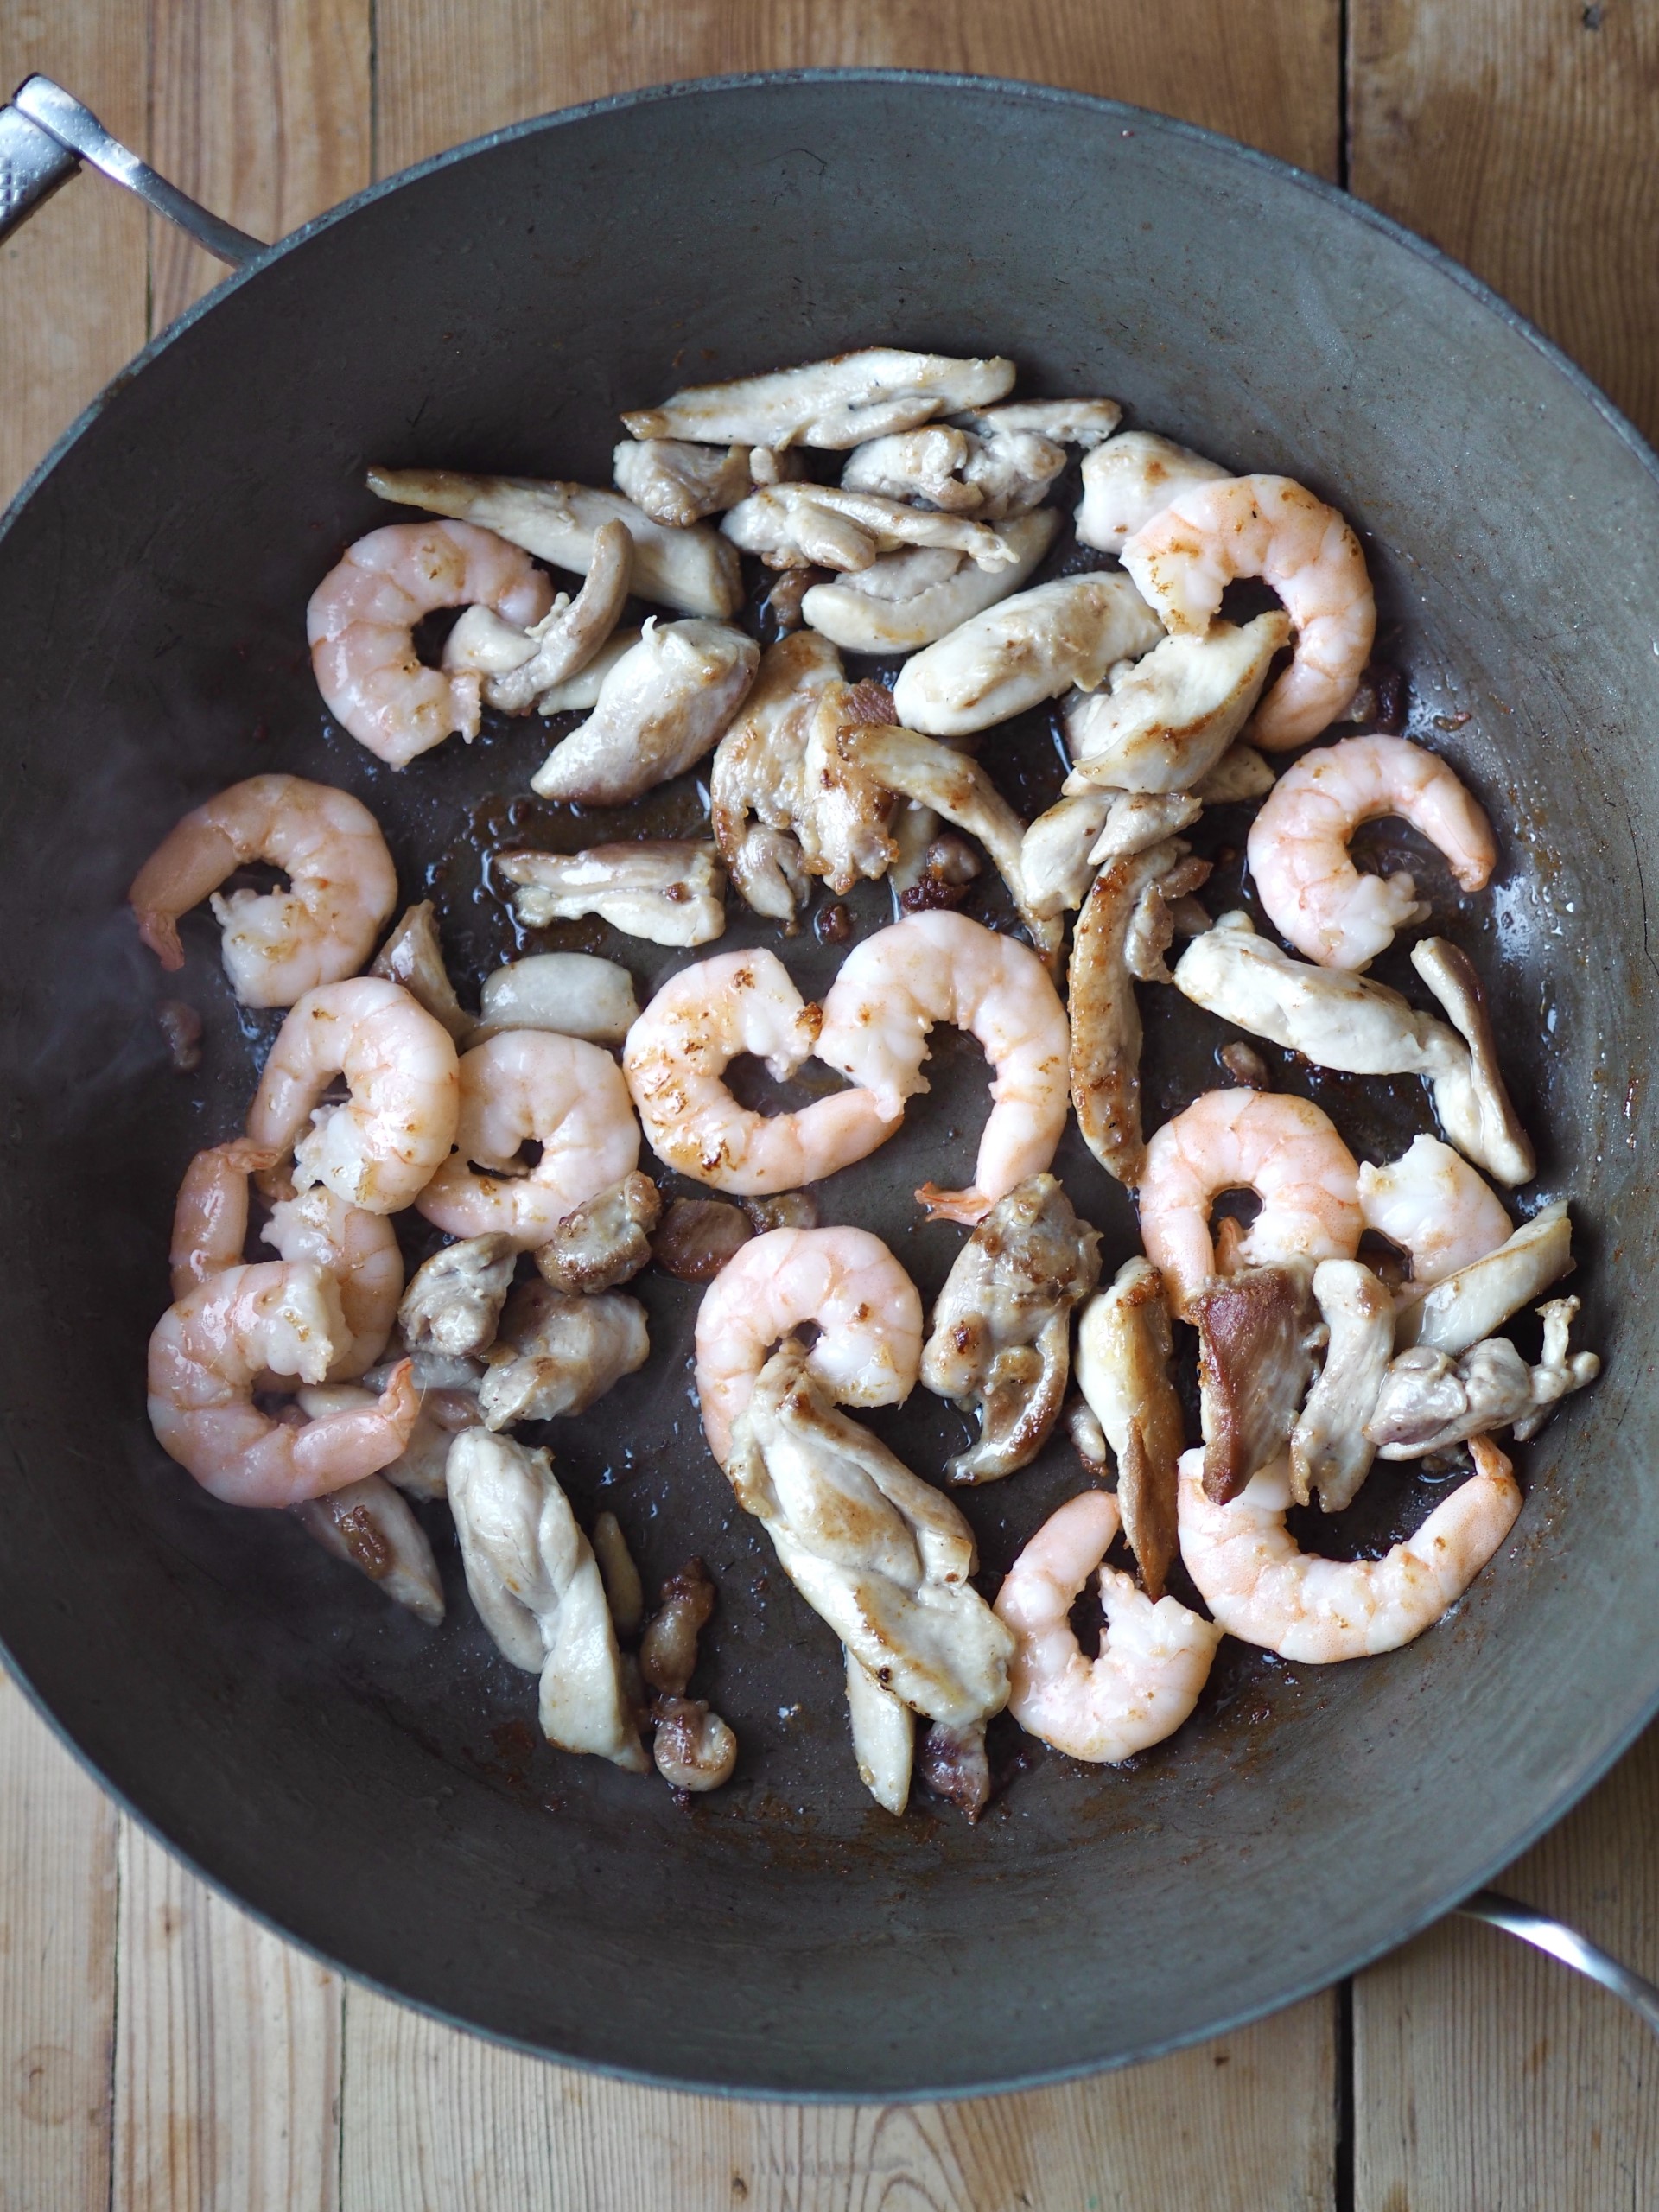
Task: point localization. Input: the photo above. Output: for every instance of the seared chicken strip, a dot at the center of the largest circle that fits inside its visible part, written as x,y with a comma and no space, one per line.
1065,847
991,477
1429,1401
820,525
1330,1453
757,789
1168,720
580,692
918,768
884,1736
1466,1306
1125,1354
1241,773
557,1354
605,1240
879,1554
1105,1019
1340,1019
694,570
1029,648
1257,1333
835,403
664,890
411,955
847,805
1485,1126
1131,479
453,1304
678,484
1000,1345
558,647
661,708
906,600
1085,422
537,1585
368,1524
573,993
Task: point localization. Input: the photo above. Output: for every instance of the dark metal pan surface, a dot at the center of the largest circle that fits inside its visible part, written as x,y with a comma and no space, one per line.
376,1790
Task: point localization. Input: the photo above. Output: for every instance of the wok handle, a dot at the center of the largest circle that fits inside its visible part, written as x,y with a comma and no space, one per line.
44,135
1567,1945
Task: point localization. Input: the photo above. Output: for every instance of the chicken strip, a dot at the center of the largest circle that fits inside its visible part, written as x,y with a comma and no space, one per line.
412,955
663,889
368,1524
1125,1358
694,570
522,667
453,1304
834,404
537,1585
1330,1453
1170,716
1000,1345
757,791
1429,1401
1462,1308
604,1242
677,484
826,526
558,1354
1257,1333
877,1553
906,600
1026,648
662,707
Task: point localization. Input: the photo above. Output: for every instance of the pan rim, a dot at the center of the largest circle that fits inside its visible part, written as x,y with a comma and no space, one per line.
1424,1912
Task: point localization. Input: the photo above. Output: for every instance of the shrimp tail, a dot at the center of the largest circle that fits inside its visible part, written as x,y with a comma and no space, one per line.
160,932
969,1207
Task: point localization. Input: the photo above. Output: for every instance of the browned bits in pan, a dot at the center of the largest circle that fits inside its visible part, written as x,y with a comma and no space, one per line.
668,1655
1244,1064
697,1237
694,1748
952,1762
789,1209
181,1028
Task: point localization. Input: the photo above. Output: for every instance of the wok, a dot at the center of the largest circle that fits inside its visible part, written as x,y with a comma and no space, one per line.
373,1789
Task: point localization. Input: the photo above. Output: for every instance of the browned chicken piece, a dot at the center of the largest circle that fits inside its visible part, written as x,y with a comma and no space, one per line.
558,1355
1105,1018
411,955
693,1747
698,1236
668,1652
1429,1401
847,806
1000,1345
624,1592
604,1241
1330,1453
522,667
789,1209
368,1524
953,1764
1503,1148
677,483
667,890
1125,1356
453,1304
1257,1333
757,788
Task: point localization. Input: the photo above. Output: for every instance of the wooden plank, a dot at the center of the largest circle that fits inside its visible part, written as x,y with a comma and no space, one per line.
437,2119
227,2058
57,1970
73,280
1488,2075
1521,138
1269,73
263,114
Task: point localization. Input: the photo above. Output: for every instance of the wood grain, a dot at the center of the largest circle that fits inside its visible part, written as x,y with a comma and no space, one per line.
261,112
72,281
437,2119
57,1970
1268,74
227,2053
1487,2075
1520,135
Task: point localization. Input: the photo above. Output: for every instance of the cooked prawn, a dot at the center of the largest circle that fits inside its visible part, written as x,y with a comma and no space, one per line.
676,1059
1153,1659
358,1248
531,1085
208,1352
361,619
342,886
1267,526
1314,896
380,1148
865,1308
1284,1149
1262,1588
1435,1206
941,967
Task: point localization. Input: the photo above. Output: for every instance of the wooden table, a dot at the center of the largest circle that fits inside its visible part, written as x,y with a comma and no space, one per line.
157,2050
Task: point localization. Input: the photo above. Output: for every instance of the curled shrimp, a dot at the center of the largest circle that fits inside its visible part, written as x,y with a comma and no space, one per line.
1153,1659
206,1353
381,1148
1315,897
342,886
361,619
358,1248
866,1309
1261,1587
939,967
676,1059
1284,1149
532,1086
1183,560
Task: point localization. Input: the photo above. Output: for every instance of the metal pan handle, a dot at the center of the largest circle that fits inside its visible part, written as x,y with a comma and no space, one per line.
1566,1944
44,135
